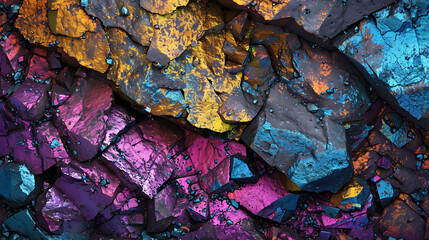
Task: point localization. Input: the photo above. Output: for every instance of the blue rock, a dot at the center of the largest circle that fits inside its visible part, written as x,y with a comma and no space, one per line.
385,192
16,184
23,224
312,153
393,49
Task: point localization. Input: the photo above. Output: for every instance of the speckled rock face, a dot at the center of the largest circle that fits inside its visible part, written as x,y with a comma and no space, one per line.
392,47
220,119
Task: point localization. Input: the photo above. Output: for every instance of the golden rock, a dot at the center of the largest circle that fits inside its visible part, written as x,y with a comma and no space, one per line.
90,51
162,7
68,19
175,32
133,74
136,22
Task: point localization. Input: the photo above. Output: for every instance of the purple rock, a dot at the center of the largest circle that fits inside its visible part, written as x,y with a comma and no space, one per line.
8,121
263,197
161,209
384,162
218,180
140,162
56,213
23,147
30,100
118,120
59,95
65,78
124,226
51,148
90,191
5,67
123,202
82,117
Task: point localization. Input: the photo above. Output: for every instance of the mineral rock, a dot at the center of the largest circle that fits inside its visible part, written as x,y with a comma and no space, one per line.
17,184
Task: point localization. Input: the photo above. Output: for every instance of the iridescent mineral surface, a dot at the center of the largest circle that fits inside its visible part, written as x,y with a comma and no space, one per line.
214,119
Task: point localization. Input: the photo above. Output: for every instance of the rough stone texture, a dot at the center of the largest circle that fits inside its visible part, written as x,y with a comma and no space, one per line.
162,7
16,185
175,32
136,22
400,221
83,117
352,196
134,77
24,224
68,19
90,51
290,138
51,147
391,48
140,162
331,82
265,197
321,18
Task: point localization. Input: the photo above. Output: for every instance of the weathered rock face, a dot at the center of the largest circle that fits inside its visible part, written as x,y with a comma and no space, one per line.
392,48
16,185
90,50
185,119
310,152
322,18
83,116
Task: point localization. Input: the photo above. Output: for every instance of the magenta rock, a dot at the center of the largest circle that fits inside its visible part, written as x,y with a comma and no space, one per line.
205,154
218,180
99,177
161,209
139,162
186,185
124,201
226,222
38,70
59,95
199,207
82,117
255,197
30,100
181,214
230,222
14,50
355,219
57,213
51,148
118,120
162,132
